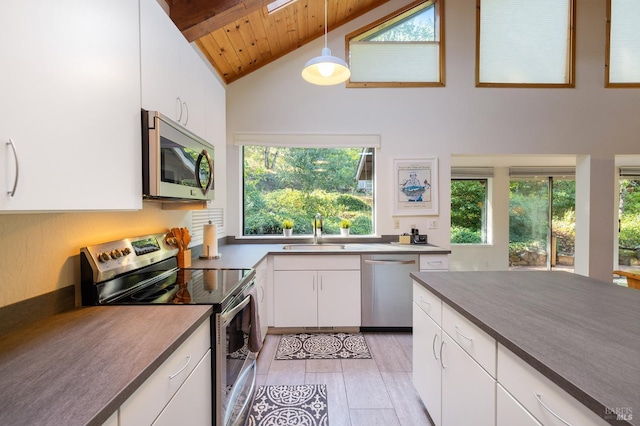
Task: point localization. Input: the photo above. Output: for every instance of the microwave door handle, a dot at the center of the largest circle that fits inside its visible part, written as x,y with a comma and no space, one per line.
204,154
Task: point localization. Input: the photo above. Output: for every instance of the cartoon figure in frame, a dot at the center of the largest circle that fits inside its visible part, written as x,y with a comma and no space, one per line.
413,188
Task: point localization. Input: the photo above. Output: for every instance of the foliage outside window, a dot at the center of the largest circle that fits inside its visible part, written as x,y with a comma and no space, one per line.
296,183
629,216
623,43
469,211
529,228
525,44
404,49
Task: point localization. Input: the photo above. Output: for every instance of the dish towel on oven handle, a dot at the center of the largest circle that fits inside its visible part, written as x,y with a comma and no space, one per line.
251,322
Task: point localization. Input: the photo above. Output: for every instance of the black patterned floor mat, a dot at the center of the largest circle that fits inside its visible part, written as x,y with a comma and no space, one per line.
322,346
290,405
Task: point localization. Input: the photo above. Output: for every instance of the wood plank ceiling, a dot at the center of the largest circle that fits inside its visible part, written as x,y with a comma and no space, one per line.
240,36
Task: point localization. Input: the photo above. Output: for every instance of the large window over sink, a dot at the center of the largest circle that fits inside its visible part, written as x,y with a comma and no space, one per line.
282,181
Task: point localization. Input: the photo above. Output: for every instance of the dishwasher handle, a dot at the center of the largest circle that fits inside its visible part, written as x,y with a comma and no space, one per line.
390,262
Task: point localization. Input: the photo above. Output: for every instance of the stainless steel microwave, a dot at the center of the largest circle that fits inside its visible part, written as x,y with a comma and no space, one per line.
176,164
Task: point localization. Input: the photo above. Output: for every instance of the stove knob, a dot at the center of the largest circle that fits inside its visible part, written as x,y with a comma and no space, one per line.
126,251
115,254
103,257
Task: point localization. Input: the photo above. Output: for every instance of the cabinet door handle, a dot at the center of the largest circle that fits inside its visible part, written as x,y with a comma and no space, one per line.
390,262
539,398
427,305
179,109
15,157
320,281
186,107
435,262
441,359
433,346
462,335
261,297
182,369
313,287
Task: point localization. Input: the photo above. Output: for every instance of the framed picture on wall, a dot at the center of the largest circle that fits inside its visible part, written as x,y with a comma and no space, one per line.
415,187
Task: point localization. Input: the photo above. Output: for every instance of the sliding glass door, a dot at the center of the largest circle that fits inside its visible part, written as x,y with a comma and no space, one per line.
541,221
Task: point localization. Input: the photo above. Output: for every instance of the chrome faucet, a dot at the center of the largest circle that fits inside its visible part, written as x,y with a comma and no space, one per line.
317,228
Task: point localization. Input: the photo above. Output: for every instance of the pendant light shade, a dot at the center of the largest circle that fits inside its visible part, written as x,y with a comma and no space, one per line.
326,70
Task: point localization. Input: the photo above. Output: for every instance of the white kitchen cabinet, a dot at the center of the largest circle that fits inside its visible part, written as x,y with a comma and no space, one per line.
186,407
173,75
151,398
70,104
112,420
316,291
263,293
453,386
434,262
317,298
509,412
427,375
468,392
545,400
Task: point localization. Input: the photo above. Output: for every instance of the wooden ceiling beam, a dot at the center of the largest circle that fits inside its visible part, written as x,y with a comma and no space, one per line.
197,18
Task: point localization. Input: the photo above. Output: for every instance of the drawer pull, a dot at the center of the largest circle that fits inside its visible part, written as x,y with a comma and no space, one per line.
435,262
462,335
425,304
433,346
182,369
539,398
441,359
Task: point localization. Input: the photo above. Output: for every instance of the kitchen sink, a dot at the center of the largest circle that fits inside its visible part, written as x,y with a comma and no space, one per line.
314,247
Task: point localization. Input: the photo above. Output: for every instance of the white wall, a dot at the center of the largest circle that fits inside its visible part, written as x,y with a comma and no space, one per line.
440,122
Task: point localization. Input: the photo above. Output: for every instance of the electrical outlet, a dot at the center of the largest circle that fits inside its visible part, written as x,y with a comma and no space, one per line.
396,223
433,223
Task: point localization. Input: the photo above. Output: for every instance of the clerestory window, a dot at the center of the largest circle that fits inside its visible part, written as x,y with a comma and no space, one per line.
623,43
404,49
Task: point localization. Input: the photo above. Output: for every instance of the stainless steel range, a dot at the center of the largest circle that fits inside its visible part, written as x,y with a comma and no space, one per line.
144,270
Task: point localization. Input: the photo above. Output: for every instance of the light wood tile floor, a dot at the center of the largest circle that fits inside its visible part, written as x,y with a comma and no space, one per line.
360,392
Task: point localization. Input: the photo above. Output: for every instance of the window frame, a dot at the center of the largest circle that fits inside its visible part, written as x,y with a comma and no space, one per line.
571,63
393,17
363,142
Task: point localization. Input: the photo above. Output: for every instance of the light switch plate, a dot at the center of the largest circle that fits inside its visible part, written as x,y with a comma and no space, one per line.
433,223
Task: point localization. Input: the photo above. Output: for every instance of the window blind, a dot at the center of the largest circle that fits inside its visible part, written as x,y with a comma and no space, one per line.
411,62
524,42
624,42
536,172
308,140
471,172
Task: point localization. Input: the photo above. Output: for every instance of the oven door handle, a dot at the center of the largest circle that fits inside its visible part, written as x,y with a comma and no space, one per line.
228,316
239,420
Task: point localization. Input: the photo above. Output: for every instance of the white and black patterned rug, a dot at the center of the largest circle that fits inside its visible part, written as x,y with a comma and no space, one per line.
294,405
322,346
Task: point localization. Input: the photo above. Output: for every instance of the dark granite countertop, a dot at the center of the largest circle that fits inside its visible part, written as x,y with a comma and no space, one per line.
581,333
78,367
249,255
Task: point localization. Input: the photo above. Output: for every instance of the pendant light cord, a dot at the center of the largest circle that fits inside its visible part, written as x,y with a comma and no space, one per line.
325,23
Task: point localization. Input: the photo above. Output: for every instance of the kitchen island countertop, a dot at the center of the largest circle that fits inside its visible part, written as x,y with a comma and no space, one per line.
78,367
581,333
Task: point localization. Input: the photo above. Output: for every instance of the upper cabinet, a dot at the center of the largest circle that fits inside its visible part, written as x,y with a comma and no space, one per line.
173,75
70,106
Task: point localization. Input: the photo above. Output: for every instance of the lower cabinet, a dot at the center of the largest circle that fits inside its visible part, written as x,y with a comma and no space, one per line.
263,292
468,391
317,298
427,371
454,387
181,386
316,291
464,377
195,392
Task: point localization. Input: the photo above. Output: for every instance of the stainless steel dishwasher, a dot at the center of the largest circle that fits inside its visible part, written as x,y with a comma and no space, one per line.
387,290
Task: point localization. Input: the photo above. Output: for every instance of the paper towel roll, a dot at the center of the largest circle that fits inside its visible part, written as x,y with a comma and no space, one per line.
210,280
210,241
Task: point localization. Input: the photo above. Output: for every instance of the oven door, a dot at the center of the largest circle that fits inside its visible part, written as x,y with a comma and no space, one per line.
236,365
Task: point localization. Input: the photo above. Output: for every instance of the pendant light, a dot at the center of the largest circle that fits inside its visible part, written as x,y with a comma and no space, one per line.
326,70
